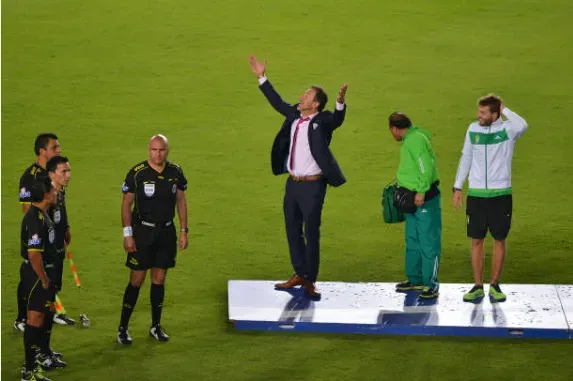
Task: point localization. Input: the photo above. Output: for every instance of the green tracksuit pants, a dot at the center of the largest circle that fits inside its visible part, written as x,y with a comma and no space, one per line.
424,243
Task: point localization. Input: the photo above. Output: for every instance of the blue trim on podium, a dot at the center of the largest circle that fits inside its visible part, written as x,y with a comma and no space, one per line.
531,311
397,329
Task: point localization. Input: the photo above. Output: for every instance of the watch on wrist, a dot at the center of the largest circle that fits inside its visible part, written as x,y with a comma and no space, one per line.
184,230
454,189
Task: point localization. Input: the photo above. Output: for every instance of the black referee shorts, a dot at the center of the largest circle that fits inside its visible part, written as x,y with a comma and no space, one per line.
156,247
493,214
39,299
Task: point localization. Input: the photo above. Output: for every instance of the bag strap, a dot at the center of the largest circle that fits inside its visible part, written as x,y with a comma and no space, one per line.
394,181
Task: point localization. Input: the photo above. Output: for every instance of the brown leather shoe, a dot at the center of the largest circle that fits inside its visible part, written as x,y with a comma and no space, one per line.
294,281
311,290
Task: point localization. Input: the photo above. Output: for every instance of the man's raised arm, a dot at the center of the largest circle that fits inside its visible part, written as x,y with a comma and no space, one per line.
340,108
269,92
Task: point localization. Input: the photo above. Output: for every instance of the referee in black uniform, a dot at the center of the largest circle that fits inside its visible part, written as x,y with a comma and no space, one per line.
38,250
154,188
46,146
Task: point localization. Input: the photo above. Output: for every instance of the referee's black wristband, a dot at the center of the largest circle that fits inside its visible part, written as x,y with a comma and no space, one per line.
454,189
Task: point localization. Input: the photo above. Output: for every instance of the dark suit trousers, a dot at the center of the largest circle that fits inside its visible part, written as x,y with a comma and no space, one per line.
303,206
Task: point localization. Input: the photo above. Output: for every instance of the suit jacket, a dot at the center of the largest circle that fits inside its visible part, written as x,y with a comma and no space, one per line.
320,132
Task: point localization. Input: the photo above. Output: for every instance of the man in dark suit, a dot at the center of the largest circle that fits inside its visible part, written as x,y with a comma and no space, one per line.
301,149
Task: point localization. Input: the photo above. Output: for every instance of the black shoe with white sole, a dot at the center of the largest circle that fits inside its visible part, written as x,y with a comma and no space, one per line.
156,331
20,324
63,319
56,354
49,362
123,336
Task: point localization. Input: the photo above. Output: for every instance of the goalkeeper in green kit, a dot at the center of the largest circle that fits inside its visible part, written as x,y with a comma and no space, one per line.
418,196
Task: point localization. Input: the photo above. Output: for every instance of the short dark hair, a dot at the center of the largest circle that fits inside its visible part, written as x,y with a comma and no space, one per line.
492,101
53,163
320,97
42,141
40,187
399,120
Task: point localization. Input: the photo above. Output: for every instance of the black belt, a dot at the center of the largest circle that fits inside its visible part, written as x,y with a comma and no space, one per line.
46,265
433,191
156,224
430,194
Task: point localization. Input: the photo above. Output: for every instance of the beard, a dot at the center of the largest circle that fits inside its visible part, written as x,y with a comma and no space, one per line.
486,122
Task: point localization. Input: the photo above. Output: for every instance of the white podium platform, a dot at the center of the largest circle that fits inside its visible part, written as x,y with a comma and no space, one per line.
540,311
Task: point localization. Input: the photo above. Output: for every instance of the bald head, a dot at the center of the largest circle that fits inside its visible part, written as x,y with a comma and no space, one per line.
159,138
158,150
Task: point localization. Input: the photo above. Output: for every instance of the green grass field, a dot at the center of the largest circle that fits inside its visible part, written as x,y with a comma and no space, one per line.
106,75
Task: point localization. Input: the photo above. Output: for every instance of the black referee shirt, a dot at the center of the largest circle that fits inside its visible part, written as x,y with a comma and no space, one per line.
154,192
38,234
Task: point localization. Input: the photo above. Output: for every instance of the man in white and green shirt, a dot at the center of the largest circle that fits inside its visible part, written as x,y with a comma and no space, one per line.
487,156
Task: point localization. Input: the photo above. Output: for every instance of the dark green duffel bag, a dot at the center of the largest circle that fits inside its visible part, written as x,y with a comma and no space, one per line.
390,212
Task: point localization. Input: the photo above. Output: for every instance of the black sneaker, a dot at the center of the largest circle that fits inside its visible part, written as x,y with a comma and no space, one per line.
156,331
49,362
20,325
429,293
28,375
123,336
63,319
56,354
407,286
24,371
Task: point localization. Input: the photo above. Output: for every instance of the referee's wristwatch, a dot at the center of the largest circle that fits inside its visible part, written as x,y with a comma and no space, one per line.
184,230
454,189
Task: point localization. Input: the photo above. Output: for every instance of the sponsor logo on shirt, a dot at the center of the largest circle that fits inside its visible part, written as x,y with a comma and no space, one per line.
35,240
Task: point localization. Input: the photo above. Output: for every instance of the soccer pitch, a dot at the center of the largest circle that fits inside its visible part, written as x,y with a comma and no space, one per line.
106,75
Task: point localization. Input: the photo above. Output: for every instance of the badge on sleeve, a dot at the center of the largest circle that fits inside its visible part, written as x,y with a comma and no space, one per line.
24,193
35,240
149,189
52,236
174,189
